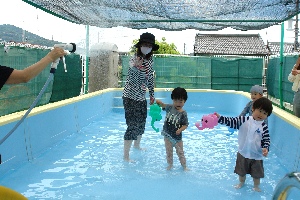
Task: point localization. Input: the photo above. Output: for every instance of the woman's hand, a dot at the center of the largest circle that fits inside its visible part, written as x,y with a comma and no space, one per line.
152,100
295,71
297,62
56,53
138,62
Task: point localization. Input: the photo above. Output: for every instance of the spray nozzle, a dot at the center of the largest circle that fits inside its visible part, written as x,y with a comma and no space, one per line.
69,48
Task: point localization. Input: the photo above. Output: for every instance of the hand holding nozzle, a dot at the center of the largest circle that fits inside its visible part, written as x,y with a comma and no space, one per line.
67,48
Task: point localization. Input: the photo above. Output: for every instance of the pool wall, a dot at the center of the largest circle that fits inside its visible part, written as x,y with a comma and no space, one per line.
47,125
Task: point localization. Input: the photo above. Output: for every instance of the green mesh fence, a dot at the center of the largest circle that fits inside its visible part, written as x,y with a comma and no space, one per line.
191,72
19,97
195,72
236,74
273,77
273,74
187,72
67,84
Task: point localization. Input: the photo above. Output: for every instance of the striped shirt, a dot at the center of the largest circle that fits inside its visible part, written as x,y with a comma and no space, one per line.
139,79
252,136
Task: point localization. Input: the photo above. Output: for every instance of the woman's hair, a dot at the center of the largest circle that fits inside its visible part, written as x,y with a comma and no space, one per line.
179,93
264,104
139,53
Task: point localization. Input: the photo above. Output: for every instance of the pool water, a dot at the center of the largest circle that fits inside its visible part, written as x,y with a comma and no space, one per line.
89,165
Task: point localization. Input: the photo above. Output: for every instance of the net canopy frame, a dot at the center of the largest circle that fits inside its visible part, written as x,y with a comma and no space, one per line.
203,15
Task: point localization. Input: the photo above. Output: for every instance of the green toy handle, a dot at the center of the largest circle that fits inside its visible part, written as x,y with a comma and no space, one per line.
155,113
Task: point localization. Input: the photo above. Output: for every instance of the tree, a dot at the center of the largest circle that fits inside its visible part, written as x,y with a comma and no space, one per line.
164,47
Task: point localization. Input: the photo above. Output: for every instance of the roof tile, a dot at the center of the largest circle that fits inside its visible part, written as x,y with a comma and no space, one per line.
230,44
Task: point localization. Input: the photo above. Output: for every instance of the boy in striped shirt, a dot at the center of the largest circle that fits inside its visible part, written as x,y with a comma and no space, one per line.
253,141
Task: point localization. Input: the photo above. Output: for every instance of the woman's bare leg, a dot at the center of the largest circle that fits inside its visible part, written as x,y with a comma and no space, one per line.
137,142
127,145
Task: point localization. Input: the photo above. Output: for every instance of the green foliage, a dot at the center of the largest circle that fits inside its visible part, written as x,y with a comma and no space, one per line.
133,48
164,47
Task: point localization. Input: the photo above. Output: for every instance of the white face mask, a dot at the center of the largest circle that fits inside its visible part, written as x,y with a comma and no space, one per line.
146,50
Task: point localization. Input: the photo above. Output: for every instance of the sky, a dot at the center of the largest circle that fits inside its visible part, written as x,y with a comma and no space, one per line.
29,18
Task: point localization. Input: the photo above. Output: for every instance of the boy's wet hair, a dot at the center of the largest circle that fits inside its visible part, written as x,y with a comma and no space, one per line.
264,104
179,93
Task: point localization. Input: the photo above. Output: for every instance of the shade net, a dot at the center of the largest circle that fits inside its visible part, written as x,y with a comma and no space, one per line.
172,14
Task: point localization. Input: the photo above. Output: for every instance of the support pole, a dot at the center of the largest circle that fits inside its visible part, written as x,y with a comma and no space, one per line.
87,46
296,27
281,66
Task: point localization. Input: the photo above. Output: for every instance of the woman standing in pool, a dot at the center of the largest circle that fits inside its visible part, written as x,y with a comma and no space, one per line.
140,77
294,77
176,121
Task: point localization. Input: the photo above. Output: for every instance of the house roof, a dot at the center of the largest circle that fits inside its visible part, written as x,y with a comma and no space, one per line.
230,44
274,48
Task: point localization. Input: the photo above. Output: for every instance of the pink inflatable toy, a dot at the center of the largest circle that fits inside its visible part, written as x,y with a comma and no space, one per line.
207,121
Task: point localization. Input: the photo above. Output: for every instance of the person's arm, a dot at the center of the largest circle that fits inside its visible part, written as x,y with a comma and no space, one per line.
246,109
295,69
184,123
232,122
160,103
265,142
25,75
183,127
291,77
297,63
150,81
295,72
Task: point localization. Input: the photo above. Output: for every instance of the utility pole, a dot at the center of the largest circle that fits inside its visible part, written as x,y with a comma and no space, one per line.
23,36
296,27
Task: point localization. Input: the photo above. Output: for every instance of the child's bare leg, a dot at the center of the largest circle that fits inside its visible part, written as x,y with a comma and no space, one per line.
137,142
242,180
180,153
256,184
169,152
127,145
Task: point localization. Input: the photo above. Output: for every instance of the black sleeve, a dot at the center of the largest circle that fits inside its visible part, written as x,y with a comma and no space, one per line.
5,72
